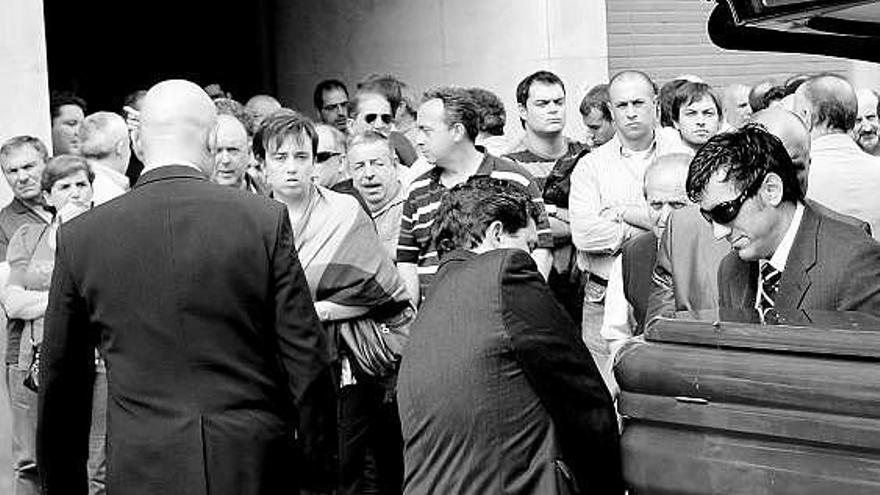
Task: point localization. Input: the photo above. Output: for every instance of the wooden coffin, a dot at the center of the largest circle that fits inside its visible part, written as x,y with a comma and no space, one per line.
715,408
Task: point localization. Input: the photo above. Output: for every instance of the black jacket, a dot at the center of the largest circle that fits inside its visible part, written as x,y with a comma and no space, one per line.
215,357
497,393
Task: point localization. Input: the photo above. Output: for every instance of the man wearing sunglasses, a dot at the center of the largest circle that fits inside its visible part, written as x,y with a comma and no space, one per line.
373,111
786,255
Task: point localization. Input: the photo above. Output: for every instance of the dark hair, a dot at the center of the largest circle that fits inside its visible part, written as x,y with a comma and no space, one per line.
776,93
13,144
63,166
458,108
542,76
832,105
281,125
467,210
748,155
132,98
323,87
60,98
386,85
491,111
758,95
596,99
667,94
794,82
690,92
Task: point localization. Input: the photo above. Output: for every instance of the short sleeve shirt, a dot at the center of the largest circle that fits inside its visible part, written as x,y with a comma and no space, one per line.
415,244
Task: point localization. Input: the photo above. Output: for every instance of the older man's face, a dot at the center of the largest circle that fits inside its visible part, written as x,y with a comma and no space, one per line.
867,126
374,173
231,155
664,192
23,169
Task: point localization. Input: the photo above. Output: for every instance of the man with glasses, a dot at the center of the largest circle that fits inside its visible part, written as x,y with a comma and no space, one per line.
331,103
786,255
229,146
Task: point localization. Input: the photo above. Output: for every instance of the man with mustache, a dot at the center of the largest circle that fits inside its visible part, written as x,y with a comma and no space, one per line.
867,125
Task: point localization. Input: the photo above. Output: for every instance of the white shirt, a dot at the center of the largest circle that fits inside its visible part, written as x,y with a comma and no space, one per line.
108,184
780,256
610,176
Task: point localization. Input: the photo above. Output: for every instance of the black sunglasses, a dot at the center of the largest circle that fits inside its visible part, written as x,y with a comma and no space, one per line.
371,117
323,156
726,212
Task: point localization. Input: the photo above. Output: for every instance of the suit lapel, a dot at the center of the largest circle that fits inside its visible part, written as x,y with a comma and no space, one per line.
795,280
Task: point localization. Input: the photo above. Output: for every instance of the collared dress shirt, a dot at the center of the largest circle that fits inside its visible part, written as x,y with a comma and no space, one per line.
780,256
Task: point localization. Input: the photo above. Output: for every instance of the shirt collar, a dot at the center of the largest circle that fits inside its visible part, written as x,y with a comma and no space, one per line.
398,198
115,177
626,153
780,256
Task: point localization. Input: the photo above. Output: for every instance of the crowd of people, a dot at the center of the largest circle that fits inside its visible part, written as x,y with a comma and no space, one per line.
385,293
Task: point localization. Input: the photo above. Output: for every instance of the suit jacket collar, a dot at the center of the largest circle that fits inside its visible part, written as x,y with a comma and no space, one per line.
801,259
166,172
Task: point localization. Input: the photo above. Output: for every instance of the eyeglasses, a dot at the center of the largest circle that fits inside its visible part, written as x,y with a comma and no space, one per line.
726,212
323,156
371,117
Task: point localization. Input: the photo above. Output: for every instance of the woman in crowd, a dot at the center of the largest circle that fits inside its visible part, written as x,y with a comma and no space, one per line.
67,190
497,392
356,289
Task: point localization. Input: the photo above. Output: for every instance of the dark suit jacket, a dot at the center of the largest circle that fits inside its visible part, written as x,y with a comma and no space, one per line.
214,353
685,275
496,386
832,266
639,254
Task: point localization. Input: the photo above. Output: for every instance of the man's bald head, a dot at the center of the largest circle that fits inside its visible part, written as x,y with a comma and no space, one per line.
633,75
664,185
794,136
176,119
828,104
736,104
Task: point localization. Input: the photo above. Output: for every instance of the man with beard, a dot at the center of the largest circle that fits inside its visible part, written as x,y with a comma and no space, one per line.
865,131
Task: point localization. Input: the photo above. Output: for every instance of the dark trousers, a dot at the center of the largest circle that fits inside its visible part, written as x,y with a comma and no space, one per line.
370,441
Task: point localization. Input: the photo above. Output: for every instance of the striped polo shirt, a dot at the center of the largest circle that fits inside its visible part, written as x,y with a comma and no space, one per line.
415,244
541,167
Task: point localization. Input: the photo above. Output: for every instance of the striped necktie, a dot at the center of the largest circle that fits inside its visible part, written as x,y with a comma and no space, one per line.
767,290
